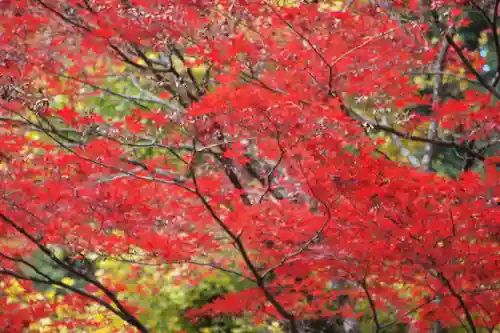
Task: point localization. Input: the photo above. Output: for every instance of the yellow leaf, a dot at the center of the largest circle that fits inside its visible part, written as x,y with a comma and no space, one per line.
152,55
32,135
117,322
60,312
68,281
464,85
419,81
15,289
483,40
99,317
118,233
12,299
50,294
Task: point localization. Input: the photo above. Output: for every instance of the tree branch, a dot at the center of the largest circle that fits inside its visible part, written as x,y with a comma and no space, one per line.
436,100
248,262
373,308
464,59
125,314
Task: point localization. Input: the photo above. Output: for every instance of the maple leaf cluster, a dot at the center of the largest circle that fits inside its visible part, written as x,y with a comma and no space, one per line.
255,141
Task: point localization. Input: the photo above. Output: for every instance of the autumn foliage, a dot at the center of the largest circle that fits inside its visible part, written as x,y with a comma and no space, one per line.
274,141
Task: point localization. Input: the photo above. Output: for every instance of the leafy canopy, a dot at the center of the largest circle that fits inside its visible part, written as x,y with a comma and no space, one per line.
336,159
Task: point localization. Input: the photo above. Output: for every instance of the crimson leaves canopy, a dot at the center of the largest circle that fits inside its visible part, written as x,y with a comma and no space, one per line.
279,142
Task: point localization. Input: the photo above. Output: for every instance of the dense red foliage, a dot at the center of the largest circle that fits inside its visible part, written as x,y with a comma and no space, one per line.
265,154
